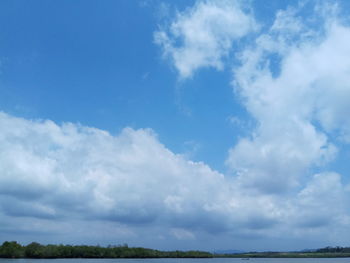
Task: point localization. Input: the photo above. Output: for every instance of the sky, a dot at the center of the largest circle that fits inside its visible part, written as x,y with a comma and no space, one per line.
204,124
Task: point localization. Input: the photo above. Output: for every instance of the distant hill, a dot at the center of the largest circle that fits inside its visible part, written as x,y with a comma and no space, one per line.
229,251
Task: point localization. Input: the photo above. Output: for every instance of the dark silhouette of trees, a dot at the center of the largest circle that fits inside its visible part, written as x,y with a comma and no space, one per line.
11,250
36,250
334,250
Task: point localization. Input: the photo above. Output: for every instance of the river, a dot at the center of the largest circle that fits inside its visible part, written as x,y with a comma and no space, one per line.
177,260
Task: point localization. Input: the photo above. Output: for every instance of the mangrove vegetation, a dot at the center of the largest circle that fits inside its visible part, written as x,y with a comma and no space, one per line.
35,250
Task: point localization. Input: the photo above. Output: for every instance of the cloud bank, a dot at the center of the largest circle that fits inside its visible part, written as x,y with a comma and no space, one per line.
129,178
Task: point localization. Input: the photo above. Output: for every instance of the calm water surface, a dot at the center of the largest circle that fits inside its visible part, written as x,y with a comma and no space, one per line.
175,260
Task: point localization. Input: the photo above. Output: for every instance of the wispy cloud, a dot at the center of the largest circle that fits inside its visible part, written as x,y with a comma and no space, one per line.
201,36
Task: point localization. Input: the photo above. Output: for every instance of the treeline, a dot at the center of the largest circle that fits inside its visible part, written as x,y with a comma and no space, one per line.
36,250
286,255
334,250
327,252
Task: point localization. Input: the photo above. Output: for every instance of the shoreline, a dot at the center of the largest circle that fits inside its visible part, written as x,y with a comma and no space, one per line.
36,250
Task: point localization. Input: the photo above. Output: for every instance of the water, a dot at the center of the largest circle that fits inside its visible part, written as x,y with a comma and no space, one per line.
178,260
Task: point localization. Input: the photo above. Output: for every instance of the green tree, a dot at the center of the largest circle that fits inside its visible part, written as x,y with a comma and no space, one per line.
11,250
34,250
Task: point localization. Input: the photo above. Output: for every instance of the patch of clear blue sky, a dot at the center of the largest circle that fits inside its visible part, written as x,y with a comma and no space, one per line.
95,62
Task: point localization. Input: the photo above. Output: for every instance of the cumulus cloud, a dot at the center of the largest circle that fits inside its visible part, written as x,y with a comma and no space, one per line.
64,180
298,103
203,35
52,174
126,178
312,198
72,173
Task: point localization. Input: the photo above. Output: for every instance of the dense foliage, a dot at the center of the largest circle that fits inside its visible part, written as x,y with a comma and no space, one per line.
36,250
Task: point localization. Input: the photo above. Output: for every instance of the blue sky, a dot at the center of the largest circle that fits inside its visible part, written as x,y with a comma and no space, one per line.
175,124
99,66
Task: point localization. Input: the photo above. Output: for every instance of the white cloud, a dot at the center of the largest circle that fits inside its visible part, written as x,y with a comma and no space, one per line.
299,103
79,184
325,197
131,178
203,35
278,155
